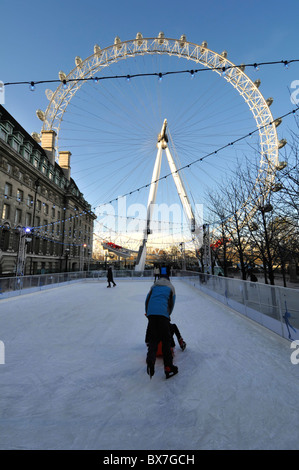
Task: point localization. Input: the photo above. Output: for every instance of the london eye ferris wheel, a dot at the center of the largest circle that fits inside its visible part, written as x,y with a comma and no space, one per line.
109,112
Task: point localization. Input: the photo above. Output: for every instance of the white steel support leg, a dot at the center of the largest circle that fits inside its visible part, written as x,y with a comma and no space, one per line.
154,186
150,204
162,145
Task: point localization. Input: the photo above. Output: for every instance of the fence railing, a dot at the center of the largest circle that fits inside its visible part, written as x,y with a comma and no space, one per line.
17,285
274,307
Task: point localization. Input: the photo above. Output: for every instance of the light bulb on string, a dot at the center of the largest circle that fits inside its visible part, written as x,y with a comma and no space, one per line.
32,86
64,84
96,80
160,76
223,71
128,78
192,74
256,67
286,64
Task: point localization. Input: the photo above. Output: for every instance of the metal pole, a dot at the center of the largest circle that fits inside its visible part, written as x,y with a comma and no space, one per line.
33,222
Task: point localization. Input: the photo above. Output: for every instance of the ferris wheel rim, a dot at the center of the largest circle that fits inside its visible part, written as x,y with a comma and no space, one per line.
180,48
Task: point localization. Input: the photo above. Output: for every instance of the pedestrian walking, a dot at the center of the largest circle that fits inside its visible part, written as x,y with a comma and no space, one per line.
110,277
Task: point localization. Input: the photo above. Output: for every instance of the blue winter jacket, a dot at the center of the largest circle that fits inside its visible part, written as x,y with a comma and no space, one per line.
161,298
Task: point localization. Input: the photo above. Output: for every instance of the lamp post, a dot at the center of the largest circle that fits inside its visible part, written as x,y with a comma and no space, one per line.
182,248
263,209
25,237
36,184
82,257
67,252
207,263
89,254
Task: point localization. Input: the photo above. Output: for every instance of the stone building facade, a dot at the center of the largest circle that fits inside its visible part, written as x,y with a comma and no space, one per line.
46,225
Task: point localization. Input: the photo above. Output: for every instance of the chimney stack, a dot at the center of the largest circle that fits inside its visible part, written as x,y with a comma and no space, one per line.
48,144
64,163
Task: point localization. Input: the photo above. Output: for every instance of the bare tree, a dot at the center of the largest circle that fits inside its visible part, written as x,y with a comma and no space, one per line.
227,204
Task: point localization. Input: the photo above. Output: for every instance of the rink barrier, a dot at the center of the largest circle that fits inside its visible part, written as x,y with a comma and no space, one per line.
19,285
274,307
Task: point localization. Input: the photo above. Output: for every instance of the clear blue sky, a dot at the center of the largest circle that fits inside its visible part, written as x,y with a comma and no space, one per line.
40,38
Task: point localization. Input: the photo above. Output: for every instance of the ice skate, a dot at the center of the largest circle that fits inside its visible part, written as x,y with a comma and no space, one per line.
150,369
170,371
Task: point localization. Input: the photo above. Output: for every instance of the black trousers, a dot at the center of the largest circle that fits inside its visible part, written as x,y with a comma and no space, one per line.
109,280
158,330
174,331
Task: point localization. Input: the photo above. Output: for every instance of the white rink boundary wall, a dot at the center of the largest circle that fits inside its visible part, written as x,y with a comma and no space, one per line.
274,307
14,286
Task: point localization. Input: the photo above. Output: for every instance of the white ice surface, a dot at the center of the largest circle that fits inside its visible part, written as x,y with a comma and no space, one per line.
74,375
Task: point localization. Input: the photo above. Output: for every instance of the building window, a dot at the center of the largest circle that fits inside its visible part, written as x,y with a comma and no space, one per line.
29,200
28,219
7,190
26,155
18,216
5,211
46,209
38,205
3,135
20,195
15,145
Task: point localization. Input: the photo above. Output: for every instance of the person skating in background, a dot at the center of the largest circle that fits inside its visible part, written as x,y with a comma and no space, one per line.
159,305
156,273
110,277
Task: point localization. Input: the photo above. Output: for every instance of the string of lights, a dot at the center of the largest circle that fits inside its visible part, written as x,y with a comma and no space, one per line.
256,65
292,112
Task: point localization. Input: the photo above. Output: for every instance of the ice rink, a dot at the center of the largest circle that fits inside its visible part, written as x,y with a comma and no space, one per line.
74,375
